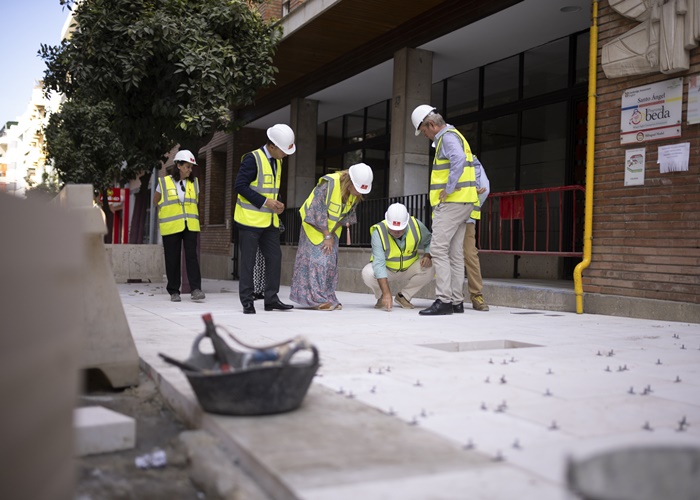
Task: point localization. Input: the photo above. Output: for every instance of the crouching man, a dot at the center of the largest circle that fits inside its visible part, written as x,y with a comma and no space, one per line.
396,242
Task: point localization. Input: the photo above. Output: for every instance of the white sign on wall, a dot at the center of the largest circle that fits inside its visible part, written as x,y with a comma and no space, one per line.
694,99
634,166
652,112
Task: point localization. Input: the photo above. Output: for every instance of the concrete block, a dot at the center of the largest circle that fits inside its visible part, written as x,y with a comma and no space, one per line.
108,345
40,341
100,430
136,262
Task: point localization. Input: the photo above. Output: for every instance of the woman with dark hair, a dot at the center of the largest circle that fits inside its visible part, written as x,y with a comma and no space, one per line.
176,197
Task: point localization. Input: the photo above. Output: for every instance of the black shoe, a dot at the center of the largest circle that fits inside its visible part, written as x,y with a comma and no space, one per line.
437,309
278,305
249,309
458,308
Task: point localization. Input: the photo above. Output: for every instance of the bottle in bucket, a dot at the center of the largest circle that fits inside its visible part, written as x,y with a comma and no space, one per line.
218,342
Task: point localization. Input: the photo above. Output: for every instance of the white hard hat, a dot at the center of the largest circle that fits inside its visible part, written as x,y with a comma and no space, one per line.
361,176
185,155
397,216
282,136
421,113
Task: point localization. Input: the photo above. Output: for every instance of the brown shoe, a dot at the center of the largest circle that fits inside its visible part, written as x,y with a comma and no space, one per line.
326,306
403,301
379,304
479,304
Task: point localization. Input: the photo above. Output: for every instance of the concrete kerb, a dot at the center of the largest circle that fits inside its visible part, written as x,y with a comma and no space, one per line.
289,458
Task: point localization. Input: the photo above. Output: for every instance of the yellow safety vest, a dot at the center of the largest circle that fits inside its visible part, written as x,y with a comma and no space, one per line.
173,214
396,259
334,203
465,190
268,185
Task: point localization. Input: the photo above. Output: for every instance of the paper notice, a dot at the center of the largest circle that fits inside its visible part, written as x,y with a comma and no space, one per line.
674,158
693,99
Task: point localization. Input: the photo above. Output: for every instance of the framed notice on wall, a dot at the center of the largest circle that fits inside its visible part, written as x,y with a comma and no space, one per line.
652,112
634,166
693,99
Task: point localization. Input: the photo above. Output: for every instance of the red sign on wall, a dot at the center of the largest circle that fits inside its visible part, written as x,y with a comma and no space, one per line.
512,207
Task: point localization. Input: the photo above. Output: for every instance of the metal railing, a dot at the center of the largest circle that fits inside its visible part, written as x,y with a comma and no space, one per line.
547,221
369,212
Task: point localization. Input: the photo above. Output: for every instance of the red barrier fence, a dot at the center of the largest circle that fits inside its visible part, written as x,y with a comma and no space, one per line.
547,221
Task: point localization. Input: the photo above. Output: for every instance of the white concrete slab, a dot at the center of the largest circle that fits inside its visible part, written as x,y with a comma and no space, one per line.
531,407
101,430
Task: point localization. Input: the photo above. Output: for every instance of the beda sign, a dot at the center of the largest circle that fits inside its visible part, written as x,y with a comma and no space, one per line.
652,112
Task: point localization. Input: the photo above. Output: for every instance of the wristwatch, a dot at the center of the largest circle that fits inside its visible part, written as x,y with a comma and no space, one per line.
328,236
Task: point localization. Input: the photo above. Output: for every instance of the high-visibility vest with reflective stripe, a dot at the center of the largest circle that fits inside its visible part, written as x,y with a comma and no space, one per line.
172,213
397,259
465,190
337,210
267,184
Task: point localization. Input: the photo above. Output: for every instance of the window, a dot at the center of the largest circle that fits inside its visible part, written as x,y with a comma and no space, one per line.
358,137
377,120
501,82
334,133
354,127
546,68
498,152
462,93
582,54
543,147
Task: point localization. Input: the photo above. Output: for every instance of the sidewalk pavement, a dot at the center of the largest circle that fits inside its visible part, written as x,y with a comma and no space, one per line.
480,405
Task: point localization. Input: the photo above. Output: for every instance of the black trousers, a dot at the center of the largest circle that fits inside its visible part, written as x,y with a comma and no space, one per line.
268,240
172,246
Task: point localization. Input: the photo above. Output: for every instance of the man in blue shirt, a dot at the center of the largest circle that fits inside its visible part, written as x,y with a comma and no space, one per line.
395,260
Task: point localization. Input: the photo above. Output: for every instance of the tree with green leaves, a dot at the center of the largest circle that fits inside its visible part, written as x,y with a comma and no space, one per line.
141,76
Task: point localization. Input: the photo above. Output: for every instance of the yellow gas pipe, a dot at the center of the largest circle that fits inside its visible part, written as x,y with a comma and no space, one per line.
590,151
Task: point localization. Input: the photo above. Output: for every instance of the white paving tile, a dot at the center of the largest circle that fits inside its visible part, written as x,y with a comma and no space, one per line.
502,401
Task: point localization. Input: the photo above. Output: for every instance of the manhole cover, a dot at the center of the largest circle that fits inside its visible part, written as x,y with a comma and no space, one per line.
479,345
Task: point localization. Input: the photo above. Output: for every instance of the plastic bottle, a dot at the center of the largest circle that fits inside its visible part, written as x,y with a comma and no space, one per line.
220,348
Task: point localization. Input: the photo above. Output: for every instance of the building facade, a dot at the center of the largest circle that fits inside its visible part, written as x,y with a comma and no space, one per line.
514,77
22,158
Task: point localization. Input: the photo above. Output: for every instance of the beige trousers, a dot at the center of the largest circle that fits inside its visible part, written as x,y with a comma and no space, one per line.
447,249
471,261
411,280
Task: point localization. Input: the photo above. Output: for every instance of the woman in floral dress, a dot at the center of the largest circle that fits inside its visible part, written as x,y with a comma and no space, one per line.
329,207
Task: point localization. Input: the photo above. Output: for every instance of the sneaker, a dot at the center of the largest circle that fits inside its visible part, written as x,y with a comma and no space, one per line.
403,301
479,304
379,304
175,297
197,295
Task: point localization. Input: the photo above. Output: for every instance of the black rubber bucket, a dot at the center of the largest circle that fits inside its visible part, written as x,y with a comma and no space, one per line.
252,387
